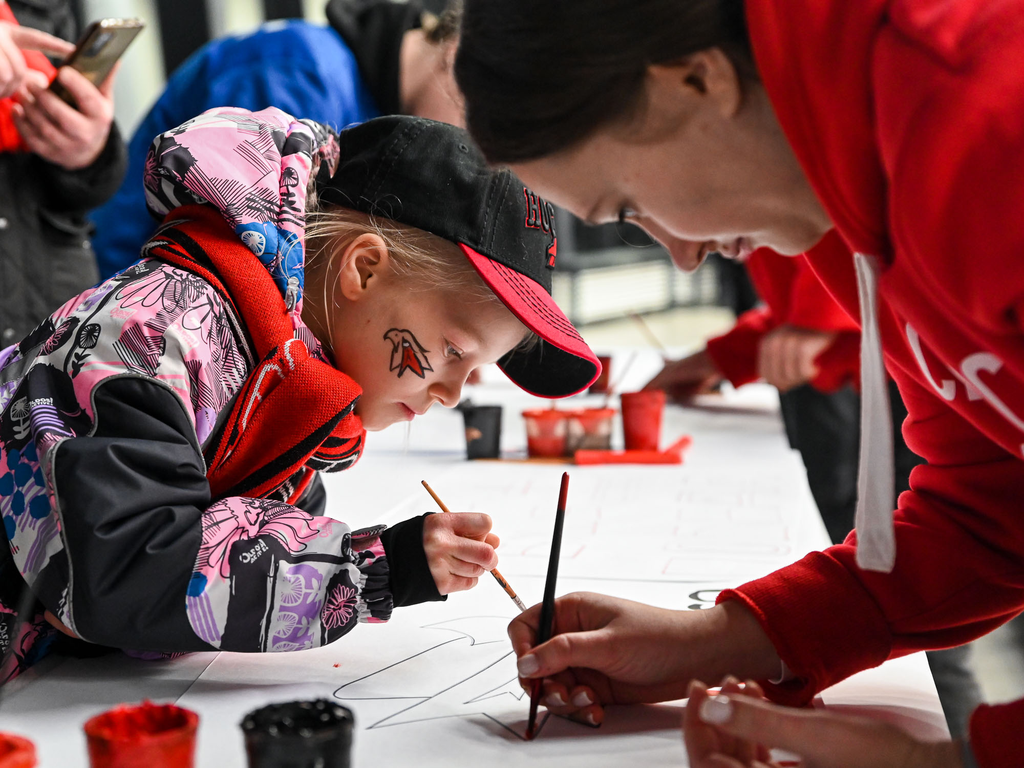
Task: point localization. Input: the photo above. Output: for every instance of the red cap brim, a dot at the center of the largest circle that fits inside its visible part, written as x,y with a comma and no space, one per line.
562,364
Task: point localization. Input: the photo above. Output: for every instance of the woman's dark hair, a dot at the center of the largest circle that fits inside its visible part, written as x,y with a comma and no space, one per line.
539,76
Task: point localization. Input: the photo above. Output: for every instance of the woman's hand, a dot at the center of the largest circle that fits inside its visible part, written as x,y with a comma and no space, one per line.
14,40
613,651
65,136
459,548
736,728
787,355
683,379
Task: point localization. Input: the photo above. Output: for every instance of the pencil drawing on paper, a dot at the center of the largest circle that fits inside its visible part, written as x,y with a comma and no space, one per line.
469,675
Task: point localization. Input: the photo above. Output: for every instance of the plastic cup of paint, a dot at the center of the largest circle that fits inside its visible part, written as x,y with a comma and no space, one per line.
590,429
641,419
16,752
142,735
299,734
483,431
545,433
600,386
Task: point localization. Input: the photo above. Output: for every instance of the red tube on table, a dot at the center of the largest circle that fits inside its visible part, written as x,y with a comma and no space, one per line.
143,735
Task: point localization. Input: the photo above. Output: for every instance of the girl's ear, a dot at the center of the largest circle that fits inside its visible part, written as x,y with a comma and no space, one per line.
365,262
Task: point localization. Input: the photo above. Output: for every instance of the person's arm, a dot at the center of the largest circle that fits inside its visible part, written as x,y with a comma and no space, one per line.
78,152
958,572
150,563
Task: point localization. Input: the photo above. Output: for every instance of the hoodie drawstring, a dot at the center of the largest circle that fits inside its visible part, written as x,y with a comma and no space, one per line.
876,535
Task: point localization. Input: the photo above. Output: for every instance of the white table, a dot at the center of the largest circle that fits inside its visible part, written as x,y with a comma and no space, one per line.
672,536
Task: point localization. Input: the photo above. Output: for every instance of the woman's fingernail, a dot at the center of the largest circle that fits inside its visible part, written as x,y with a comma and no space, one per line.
591,719
528,665
717,710
555,700
582,699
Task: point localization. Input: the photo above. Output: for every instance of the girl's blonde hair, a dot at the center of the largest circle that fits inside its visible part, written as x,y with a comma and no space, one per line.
424,261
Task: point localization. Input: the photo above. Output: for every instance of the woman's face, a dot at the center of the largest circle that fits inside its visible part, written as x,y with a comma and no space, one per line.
704,168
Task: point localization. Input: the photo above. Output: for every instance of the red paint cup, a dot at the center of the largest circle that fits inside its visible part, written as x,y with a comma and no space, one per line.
16,752
641,419
589,429
545,433
600,386
142,735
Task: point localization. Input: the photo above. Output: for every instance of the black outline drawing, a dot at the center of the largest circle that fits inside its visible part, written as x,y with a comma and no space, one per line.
403,346
506,687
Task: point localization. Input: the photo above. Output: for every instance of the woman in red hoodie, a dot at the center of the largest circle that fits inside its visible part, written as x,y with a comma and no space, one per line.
719,125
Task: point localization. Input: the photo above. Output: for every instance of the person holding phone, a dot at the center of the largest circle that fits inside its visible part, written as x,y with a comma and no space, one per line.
56,163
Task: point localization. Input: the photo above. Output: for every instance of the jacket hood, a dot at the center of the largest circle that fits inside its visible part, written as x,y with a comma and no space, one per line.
255,169
373,30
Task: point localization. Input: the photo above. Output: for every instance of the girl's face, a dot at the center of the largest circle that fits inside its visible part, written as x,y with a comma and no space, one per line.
409,349
704,168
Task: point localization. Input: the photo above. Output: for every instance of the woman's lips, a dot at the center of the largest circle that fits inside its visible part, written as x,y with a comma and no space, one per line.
408,413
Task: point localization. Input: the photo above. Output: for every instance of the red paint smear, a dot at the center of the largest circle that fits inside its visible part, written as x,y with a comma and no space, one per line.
154,735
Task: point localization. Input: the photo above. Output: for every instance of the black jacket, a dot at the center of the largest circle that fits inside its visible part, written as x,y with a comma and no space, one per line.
45,251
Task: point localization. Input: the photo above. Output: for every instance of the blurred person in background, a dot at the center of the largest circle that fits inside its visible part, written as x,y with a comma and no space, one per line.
375,57
56,163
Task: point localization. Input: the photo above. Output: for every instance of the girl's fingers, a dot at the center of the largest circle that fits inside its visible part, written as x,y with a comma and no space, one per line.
458,567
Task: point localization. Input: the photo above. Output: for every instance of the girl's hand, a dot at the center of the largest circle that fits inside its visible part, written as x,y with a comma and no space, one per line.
787,355
459,548
735,729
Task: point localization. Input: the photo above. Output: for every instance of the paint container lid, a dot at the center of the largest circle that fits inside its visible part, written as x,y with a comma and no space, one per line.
299,734
16,752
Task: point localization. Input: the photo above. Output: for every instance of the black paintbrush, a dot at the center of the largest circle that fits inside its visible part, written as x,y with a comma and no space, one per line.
547,608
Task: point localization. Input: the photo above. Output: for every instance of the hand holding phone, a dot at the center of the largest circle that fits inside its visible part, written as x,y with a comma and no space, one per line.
14,40
100,46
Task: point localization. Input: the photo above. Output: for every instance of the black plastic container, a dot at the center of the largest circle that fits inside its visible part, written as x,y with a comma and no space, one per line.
483,431
299,734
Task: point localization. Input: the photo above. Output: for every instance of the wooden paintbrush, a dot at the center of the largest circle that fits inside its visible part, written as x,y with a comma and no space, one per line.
547,609
497,576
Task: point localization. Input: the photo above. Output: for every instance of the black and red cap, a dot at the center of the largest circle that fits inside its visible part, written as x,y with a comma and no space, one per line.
430,176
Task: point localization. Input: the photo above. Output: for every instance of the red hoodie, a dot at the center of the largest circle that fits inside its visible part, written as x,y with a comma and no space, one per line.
908,118
792,295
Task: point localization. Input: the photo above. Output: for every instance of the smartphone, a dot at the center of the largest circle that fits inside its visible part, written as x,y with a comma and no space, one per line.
98,49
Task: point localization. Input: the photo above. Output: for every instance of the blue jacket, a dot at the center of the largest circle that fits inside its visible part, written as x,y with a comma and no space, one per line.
303,69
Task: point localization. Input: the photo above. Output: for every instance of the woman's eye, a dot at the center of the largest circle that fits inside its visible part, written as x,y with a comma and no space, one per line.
451,351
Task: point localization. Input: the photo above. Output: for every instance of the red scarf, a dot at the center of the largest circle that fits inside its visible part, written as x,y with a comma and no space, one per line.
295,412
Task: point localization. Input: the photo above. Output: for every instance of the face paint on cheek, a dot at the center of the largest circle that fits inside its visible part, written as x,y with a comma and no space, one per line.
407,353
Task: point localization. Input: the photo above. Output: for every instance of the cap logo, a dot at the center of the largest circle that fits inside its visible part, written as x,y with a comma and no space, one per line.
540,214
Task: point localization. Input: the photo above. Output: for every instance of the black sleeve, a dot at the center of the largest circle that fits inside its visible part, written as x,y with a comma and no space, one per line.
411,580
82,190
314,500
131,498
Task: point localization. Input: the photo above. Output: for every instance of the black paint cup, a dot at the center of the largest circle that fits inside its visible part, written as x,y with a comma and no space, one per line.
299,734
483,431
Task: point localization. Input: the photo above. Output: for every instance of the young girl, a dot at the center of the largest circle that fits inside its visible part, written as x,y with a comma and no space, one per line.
160,435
